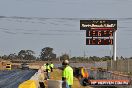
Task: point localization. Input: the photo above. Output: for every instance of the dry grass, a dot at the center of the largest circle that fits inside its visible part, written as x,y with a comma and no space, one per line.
56,75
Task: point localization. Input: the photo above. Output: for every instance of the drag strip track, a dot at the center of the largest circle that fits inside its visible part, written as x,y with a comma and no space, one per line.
12,79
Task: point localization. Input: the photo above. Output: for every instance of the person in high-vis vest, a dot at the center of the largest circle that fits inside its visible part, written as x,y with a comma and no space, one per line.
51,66
84,73
67,74
44,66
48,70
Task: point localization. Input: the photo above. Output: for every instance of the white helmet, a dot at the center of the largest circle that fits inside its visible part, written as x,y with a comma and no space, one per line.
66,61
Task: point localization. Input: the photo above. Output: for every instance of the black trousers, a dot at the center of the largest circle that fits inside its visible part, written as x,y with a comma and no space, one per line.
51,69
70,86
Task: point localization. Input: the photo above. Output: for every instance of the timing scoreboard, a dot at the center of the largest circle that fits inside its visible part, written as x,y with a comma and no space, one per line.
99,32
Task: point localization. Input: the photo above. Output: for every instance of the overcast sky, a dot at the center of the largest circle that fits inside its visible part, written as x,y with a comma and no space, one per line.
35,24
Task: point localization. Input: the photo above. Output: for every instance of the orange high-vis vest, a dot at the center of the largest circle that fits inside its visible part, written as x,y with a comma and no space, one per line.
84,73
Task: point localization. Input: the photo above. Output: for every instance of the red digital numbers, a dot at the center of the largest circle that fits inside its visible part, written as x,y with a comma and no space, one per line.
98,41
95,33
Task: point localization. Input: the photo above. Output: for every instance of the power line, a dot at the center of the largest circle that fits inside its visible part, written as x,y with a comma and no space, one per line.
66,18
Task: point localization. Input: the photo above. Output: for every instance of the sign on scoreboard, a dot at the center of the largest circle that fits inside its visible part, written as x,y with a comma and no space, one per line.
98,24
99,32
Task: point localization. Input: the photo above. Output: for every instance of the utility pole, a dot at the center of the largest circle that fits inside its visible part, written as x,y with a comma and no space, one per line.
128,65
59,58
84,54
69,54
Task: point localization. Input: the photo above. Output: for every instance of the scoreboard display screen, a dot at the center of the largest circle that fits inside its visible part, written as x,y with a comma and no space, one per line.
99,41
100,33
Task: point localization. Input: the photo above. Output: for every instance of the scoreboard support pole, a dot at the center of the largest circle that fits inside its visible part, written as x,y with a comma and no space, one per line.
114,46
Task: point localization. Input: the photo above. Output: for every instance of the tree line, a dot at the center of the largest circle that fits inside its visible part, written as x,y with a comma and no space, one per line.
47,54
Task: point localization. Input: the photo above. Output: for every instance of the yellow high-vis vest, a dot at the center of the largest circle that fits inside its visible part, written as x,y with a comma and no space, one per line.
68,74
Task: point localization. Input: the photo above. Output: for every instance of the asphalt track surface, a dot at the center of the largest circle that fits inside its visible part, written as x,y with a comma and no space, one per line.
12,78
